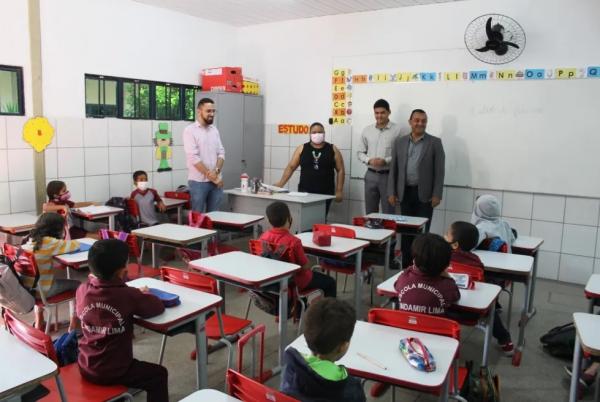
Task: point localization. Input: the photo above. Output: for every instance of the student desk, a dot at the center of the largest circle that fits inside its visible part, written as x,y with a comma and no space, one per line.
194,306
77,259
170,234
252,272
16,226
517,268
209,395
528,245
375,237
478,300
21,367
235,222
341,248
95,212
380,344
305,210
587,327
175,203
592,290
404,224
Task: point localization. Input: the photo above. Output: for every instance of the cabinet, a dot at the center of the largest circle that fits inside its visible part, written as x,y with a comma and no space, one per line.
240,120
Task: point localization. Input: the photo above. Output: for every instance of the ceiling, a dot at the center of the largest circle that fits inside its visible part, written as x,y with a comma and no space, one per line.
251,12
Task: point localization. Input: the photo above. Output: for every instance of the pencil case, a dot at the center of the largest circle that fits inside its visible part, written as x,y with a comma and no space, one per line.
168,299
321,238
417,354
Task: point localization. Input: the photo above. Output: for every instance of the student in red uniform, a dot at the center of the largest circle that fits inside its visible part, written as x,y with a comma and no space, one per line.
280,219
105,306
463,237
425,287
146,198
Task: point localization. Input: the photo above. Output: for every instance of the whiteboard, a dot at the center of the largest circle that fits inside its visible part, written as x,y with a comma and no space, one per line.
533,136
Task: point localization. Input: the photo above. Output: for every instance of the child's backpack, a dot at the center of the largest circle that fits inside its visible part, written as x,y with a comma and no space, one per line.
125,222
560,341
13,295
480,385
67,348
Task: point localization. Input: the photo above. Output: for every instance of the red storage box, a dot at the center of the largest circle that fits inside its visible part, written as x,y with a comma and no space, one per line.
321,238
228,79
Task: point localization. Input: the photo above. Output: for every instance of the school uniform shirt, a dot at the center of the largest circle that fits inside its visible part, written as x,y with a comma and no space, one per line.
106,310
283,236
43,259
466,257
424,294
146,204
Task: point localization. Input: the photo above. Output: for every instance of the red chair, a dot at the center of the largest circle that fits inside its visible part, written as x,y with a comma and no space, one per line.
251,335
247,389
68,384
25,265
200,220
256,248
219,327
340,231
136,269
475,273
431,325
134,211
180,196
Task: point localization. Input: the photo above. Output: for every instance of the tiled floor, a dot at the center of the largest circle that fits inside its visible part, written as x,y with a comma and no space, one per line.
539,378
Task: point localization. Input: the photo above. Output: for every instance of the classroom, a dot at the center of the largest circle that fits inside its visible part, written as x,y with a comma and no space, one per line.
196,196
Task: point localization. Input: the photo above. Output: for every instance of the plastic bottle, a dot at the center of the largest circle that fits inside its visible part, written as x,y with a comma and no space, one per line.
244,182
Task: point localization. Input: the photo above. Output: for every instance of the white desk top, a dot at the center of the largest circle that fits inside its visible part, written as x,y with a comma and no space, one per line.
233,218
173,202
76,258
17,222
588,326
244,268
478,299
370,235
20,365
528,243
339,245
96,211
209,395
173,233
592,287
308,199
380,343
193,302
401,220
505,262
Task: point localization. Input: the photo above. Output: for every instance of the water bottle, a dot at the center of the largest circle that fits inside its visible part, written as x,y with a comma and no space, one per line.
244,183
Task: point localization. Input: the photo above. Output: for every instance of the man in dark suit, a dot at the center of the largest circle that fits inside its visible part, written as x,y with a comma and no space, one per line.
416,177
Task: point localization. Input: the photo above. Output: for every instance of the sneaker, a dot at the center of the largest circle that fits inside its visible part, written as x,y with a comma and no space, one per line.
585,380
508,348
378,389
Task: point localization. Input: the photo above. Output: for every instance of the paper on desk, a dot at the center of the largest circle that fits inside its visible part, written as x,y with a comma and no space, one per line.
395,218
95,209
297,194
275,189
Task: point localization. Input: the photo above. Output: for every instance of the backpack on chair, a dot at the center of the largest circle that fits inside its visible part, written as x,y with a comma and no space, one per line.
480,385
13,295
125,222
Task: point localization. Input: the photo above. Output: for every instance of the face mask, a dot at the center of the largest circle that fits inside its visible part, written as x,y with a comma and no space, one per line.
142,185
64,196
317,138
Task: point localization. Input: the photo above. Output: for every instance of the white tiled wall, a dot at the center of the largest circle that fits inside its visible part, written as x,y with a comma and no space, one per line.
568,225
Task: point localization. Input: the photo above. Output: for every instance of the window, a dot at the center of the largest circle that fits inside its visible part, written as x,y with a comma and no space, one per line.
168,102
11,91
136,99
100,96
189,107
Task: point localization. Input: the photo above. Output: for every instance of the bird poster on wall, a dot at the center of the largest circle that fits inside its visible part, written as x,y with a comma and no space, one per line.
163,139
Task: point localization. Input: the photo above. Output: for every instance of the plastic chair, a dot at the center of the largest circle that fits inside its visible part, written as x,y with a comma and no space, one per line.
138,269
219,327
251,335
247,389
200,220
68,384
431,325
256,248
26,265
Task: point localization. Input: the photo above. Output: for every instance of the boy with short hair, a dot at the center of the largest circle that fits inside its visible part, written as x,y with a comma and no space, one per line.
105,305
328,328
464,237
146,198
280,219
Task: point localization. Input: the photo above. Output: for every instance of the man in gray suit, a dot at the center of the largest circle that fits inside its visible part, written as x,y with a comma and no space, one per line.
416,176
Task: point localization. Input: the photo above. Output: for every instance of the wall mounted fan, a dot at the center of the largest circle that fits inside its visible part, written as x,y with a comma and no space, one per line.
495,38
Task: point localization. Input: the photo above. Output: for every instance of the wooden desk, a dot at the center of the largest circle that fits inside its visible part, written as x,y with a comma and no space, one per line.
194,306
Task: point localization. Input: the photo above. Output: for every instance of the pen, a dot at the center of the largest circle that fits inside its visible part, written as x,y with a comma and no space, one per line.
371,360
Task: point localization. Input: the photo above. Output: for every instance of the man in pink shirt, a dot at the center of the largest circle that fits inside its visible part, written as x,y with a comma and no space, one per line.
205,155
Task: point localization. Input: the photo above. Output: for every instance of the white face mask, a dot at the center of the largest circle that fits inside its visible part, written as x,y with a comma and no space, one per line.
142,185
317,138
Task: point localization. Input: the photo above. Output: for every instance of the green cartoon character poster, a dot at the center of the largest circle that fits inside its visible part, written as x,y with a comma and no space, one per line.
163,139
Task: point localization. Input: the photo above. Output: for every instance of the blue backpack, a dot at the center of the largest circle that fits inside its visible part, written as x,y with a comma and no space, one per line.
67,348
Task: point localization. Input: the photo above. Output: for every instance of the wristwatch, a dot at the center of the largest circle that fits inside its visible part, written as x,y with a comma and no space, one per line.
217,170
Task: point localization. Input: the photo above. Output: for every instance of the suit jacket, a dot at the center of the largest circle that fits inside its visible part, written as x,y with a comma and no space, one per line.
430,166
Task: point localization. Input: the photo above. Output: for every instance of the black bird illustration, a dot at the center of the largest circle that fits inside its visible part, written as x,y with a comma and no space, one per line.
496,40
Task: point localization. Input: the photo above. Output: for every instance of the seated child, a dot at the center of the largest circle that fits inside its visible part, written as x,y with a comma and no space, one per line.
425,287
463,237
486,216
59,199
46,241
146,198
328,328
106,306
280,219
